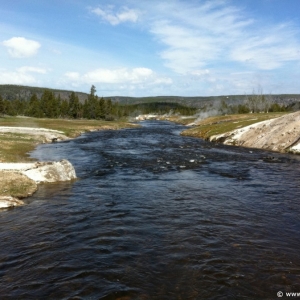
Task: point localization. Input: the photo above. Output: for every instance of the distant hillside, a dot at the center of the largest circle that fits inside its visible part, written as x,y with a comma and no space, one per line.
292,100
11,92
197,102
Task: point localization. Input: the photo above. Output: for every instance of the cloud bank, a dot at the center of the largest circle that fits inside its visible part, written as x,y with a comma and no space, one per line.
118,76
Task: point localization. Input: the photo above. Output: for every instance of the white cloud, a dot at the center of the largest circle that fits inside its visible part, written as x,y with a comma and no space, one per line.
115,18
119,75
270,50
194,36
214,33
13,77
23,75
19,47
119,79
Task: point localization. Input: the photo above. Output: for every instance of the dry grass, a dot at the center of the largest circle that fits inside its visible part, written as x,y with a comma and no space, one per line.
221,124
16,185
14,147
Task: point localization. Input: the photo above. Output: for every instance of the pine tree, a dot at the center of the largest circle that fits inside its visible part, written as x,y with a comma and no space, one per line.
74,106
91,104
9,109
19,106
34,107
64,108
1,106
47,104
108,108
93,91
85,109
57,106
101,109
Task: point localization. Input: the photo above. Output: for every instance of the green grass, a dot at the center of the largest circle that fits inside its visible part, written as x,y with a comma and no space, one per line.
221,124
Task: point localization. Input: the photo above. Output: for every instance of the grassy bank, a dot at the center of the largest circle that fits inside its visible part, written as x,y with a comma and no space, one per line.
221,124
14,146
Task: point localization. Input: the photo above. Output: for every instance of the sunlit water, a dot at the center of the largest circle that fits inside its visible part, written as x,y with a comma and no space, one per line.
156,216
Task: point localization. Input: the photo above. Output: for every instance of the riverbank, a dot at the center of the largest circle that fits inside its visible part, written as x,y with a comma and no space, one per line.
178,119
278,132
19,174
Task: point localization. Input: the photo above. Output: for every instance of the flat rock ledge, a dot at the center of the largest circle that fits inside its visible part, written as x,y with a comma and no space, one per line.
49,135
51,171
8,202
281,135
40,172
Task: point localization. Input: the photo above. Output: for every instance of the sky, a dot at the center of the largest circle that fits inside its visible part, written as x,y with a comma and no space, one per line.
152,48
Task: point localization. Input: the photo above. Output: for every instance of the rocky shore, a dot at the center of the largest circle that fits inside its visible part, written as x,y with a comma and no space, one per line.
280,134
24,177
31,174
19,180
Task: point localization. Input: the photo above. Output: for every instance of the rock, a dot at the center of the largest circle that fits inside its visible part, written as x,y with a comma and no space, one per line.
280,134
47,134
31,174
295,149
43,171
271,159
8,201
51,171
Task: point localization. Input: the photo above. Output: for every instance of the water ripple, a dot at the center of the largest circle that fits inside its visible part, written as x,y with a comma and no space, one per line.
156,216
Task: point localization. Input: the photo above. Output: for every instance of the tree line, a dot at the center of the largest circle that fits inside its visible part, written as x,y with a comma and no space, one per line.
255,103
162,108
94,107
253,106
51,106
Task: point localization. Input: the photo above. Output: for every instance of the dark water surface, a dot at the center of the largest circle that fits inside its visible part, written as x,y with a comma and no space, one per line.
156,216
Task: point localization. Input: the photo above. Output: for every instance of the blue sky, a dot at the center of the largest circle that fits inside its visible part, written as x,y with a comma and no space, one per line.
150,48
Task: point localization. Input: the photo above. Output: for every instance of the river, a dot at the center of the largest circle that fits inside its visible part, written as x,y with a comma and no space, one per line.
155,215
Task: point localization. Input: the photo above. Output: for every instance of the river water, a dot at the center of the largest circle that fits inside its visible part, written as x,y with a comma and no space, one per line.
156,215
